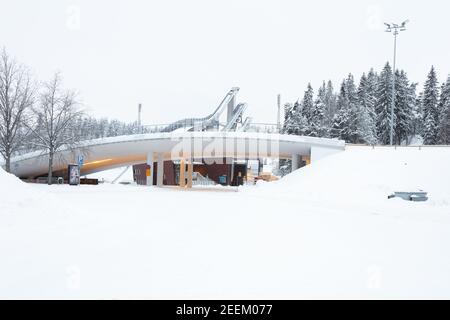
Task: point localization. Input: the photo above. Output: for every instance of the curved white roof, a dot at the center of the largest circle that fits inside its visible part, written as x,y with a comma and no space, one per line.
108,153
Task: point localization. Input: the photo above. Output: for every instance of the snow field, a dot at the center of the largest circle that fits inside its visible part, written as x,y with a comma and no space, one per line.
325,231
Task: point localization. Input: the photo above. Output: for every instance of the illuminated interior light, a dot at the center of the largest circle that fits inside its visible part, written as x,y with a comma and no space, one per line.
98,161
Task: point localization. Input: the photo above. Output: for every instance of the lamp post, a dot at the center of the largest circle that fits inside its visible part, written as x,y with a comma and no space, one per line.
395,29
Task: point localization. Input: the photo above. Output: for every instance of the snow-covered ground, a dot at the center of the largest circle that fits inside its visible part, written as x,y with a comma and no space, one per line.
325,231
117,175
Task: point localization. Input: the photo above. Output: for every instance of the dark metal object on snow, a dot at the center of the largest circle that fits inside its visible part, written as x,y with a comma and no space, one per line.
410,196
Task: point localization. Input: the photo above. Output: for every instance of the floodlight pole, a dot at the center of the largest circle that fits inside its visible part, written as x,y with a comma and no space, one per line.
391,138
395,28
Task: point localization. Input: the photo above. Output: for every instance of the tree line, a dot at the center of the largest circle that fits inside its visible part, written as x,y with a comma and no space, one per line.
361,113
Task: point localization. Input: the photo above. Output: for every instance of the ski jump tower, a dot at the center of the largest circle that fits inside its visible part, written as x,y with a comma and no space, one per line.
213,122
232,104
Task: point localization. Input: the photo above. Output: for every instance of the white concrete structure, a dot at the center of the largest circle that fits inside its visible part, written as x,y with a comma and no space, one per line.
108,153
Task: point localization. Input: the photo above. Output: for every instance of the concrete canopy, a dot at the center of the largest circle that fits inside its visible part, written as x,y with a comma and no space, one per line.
108,153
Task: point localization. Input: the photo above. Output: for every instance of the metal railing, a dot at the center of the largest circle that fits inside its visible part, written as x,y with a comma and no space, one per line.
199,180
419,147
187,126
263,128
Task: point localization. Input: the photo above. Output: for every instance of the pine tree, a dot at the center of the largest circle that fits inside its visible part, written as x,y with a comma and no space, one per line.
345,123
317,120
354,133
295,123
307,110
444,106
417,121
383,105
371,88
430,109
340,118
330,107
366,127
404,104
287,116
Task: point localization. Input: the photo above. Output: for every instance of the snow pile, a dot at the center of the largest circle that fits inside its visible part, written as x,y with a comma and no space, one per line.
365,176
14,192
23,200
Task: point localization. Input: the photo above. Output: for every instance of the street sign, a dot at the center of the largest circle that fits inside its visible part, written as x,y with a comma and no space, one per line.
80,160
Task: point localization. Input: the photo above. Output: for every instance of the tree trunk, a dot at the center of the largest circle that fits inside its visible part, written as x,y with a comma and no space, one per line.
50,168
8,164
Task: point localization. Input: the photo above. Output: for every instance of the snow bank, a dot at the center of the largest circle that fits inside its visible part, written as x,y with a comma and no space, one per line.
365,175
25,201
14,192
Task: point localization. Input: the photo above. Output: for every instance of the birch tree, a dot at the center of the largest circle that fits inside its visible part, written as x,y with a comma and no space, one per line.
56,116
16,98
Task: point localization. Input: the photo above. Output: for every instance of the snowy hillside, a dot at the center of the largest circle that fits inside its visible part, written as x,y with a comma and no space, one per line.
325,231
366,176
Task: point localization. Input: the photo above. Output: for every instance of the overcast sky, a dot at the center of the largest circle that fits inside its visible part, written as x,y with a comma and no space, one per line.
179,58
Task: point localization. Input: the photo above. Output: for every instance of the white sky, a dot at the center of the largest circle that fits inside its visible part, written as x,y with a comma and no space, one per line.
179,58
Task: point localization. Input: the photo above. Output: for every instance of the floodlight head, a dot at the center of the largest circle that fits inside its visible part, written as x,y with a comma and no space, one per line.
404,23
388,27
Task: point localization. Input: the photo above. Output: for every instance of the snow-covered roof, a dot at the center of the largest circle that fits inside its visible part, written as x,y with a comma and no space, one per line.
131,149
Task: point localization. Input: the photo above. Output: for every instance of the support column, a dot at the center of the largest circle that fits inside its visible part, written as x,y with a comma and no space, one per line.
275,165
296,158
160,173
230,107
149,172
182,172
190,172
231,174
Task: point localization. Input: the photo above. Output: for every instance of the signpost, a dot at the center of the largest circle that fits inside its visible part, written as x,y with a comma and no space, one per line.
80,160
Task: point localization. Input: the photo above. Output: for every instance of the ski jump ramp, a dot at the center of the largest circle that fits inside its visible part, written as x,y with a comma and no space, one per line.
108,153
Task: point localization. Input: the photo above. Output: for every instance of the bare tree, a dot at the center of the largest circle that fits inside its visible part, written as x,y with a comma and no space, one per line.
55,120
16,97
